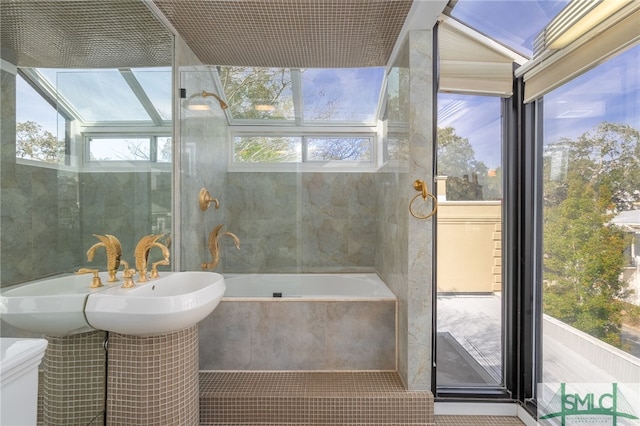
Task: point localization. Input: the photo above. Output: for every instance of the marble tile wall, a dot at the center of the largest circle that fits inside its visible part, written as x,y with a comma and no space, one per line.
299,335
39,224
404,258
420,232
128,205
301,222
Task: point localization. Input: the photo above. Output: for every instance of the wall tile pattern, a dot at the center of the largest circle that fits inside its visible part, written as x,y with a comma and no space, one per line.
420,232
301,222
311,398
73,380
296,335
141,203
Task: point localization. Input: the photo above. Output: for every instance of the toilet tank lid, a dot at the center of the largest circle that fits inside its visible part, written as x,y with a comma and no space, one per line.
17,355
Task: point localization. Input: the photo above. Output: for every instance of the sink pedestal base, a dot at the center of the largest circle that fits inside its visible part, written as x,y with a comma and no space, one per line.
72,386
153,380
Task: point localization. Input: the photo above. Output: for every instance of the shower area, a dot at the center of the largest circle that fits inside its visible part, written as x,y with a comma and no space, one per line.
302,207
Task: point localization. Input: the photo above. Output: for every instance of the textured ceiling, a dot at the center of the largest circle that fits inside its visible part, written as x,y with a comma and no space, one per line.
268,33
289,33
82,34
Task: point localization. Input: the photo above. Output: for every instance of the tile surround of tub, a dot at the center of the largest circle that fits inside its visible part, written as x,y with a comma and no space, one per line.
153,380
296,335
73,380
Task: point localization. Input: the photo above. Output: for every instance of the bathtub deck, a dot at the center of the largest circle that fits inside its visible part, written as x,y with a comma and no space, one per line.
321,398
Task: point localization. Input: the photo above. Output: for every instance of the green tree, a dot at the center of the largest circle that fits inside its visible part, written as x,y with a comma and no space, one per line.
583,260
467,177
257,93
35,143
584,253
611,150
266,149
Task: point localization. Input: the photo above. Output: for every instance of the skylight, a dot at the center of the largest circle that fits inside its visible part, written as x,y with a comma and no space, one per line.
341,94
302,96
106,96
515,24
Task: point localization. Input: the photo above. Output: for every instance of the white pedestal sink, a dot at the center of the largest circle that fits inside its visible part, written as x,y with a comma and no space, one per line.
52,306
174,301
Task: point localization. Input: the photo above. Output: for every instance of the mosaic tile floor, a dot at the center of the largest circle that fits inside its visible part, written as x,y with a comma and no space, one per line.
440,421
327,398
477,421
321,398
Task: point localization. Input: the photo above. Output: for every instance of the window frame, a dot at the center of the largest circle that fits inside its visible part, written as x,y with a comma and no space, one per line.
122,165
305,165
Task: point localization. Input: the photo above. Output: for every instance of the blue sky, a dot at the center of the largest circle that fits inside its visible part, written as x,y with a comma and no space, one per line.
355,92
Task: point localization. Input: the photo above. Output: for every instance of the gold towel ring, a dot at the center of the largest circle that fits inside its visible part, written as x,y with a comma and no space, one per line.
421,186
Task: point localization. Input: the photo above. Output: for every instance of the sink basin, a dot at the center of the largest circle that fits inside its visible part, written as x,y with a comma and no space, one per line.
172,302
52,306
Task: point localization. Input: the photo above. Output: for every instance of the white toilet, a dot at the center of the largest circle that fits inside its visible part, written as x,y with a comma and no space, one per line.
19,360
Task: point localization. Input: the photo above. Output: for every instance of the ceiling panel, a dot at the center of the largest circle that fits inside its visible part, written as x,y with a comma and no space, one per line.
82,34
289,33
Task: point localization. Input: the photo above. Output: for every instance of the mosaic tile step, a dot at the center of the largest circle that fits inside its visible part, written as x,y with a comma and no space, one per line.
310,398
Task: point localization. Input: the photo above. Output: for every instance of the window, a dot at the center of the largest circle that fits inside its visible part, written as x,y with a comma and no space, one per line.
40,130
326,96
267,149
63,115
329,116
296,149
122,148
512,23
590,187
469,304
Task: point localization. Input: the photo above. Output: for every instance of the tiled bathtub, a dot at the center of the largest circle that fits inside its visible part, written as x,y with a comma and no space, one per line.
314,322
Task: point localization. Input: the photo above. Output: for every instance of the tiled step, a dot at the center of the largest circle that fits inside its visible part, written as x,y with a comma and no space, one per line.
311,398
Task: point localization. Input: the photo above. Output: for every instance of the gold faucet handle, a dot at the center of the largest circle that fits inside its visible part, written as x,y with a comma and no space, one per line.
205,198
127,276
154,268
95,281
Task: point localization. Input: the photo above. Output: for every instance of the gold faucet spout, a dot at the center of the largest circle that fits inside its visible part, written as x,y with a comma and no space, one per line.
142,254
113,249
234,237
214,246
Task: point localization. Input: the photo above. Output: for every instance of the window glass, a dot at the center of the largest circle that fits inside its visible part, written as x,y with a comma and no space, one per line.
40,130
97,95
512,23
164,149
258,93
157,85
591,225
469,302
341,94
267,149
469,146
329,149
119,149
